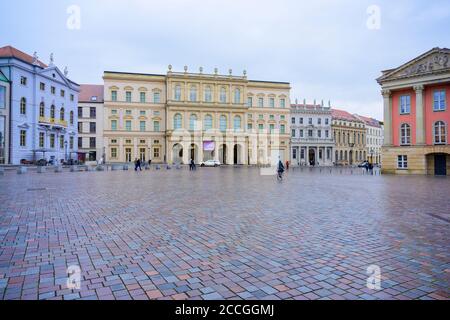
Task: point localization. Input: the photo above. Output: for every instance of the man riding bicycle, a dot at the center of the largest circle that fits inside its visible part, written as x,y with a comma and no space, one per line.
280,169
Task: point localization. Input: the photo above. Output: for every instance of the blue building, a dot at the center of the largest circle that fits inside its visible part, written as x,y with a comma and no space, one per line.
43,103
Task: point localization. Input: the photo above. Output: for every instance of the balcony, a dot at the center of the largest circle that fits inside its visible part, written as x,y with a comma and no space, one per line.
53,122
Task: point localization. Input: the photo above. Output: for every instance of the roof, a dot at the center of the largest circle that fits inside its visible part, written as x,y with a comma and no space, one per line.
343,115
11,52
87,91
369,121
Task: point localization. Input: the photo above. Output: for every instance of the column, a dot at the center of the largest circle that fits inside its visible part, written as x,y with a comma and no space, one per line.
420,118
387,102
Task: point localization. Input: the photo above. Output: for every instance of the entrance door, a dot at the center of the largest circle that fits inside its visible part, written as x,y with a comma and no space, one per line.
440,168
127,154
312,157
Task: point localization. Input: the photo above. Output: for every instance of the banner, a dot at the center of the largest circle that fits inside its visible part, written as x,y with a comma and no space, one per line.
209,146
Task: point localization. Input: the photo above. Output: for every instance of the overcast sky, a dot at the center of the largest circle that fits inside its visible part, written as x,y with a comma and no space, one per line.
325,49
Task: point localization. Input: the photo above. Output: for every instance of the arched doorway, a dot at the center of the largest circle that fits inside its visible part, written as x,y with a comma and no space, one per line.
223,154
193,153
437,164
237,154
177,153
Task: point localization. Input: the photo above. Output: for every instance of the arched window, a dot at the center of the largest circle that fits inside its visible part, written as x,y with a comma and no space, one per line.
345,155
42,110
177,119
237,123
177,93
52,112
208,95
336,156
208,122
405,134
193,94
23,106
237,96
342,156
193,122
223,95
71,117
223,123
61,114
440,133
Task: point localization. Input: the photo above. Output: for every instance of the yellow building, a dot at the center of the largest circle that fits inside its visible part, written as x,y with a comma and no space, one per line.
349,134
200,116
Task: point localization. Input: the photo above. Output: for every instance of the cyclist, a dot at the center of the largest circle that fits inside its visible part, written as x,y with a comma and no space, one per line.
280,169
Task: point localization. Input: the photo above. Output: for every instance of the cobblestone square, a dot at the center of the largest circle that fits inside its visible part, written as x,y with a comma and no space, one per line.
223,233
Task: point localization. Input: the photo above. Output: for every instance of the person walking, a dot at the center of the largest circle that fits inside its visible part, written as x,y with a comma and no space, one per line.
135,164
280,170
192,165
287,165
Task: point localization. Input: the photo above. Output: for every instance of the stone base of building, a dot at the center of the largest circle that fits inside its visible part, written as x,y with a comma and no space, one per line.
421,160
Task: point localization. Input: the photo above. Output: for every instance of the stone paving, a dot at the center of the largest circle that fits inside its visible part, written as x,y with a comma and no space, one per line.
225,233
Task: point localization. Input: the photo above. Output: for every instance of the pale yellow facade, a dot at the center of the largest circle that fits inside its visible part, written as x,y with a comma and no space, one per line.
349,136
200,116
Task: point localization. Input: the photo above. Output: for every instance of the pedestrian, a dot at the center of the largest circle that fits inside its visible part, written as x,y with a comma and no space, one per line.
139,164
371,168
135,164
287,165
192,165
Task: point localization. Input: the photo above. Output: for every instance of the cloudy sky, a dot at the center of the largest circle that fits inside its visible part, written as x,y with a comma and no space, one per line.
325,49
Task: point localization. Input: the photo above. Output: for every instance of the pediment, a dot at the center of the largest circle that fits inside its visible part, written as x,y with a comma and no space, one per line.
434,61
55,74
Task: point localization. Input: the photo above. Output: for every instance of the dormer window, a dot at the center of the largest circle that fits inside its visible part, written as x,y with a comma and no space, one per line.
94,98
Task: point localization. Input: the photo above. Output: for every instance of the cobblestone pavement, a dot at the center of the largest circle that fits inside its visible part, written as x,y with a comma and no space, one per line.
223,233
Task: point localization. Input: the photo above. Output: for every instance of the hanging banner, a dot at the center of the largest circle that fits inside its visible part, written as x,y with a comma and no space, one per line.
209,146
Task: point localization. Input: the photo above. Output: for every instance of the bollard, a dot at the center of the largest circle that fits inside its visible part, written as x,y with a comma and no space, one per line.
58,169
21,170
158,167
41,169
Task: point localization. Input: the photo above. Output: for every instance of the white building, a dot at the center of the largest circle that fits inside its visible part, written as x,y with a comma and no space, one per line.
90,122
43,117
374,138
312,141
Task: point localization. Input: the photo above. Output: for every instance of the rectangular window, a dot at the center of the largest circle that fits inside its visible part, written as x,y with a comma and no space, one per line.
156,126
282,117
92,113
310,133
113,125
23,81
327,134
114,95
2,97
249,102
128,96
52,141
282,103
319,121
261,117
302,153
301,120
141,97
63,93
439,100
80,142
61,142
142,113
272,117
42,86
80,112
128,125
128,112
41,139
92,127
293,133
301,133
113,141
310,121
293,120
23,138
157,97
52,90
327,121
80,127
271,128
402,162
113,153
260,127
113,112
261,102
272,102
405,104
142,126
71,143
92,143
319,133
156,153
249,126
72,97
282,129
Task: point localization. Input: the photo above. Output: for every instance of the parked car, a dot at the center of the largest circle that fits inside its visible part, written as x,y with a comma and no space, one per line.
41,162
210,163
363,164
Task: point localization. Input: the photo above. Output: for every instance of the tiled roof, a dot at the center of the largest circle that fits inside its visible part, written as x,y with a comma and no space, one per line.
11,52
87,91
343,115
369,121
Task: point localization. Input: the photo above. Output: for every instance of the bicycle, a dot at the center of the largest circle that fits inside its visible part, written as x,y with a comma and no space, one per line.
280,175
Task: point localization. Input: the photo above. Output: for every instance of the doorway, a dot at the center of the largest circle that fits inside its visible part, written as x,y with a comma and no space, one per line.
312,157
440,165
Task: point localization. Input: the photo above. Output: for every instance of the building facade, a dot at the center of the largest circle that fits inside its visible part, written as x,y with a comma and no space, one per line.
90,122
417,116
349,134
43,117
5,91
374,138
312,141
181,116
134,116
